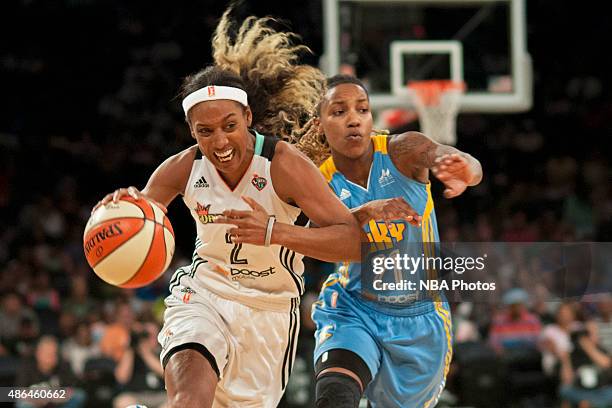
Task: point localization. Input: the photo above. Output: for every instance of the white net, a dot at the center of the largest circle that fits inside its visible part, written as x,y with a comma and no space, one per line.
437,104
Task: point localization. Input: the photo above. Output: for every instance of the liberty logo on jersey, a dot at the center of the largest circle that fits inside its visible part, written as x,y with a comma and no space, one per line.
259,182
203,214
385,178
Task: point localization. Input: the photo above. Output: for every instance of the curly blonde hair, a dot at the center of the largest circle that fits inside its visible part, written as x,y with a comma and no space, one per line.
283,94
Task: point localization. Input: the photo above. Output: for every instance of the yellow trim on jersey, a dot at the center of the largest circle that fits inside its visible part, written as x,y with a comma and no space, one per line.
380,143
328,168
429,205
445,315
427,232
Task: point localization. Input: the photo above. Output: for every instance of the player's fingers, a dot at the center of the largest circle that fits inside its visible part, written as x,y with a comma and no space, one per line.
410,216
226,220
98,205
253,204
452,192
439,159
118,194
133,192
234,231
236,213
247,236
443,176
407,209
388,220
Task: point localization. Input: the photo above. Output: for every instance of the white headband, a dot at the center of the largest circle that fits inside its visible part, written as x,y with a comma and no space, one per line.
213,93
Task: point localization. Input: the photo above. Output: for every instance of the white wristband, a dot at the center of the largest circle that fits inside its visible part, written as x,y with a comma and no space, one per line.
271,221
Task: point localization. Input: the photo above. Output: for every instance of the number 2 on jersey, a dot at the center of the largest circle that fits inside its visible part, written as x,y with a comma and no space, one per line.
235,252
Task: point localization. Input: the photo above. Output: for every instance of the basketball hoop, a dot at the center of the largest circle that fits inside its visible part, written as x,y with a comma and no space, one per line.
437,102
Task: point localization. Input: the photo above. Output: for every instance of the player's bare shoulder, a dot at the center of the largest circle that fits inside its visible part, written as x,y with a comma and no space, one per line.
288,159
288,169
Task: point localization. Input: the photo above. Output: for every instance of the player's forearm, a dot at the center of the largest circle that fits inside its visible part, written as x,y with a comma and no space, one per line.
416,149
335,243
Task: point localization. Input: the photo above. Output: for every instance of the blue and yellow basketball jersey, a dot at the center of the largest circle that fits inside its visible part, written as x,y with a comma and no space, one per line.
385,181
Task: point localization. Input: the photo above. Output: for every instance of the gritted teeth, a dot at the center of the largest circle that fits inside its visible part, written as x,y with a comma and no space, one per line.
226,155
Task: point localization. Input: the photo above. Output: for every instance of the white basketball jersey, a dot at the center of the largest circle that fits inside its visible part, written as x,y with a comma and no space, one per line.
262,277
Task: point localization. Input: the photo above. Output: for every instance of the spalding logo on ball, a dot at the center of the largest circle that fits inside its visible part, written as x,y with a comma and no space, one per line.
129,243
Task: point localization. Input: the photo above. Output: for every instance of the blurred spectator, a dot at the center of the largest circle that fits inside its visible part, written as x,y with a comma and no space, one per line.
116,337
603,321
41,296
66,325
12,315
518,229
586,372
80,302
77,349
514,326
555,339
46,369
465,330
139,372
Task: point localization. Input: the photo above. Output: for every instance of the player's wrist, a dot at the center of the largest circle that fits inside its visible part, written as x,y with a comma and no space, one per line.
279,232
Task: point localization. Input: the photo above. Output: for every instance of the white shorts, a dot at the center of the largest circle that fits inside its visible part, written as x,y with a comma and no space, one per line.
254,349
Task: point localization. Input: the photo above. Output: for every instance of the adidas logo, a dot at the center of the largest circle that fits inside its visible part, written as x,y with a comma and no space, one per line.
344,194
201,183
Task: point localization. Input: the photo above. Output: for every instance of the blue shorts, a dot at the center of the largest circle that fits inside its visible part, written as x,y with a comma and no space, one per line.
408,355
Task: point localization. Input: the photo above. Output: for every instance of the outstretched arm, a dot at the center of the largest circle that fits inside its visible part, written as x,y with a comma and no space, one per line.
297,180
414,154
387,210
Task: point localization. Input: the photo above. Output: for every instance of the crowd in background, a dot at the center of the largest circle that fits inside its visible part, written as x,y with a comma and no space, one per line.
89,105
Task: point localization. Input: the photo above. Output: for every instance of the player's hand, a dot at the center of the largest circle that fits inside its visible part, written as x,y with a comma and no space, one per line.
250,226
454,171
391,209
131,191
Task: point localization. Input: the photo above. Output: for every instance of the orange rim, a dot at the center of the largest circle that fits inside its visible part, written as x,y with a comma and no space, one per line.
429,91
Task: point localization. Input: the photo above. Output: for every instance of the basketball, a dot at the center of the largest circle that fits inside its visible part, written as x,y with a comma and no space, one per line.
129,243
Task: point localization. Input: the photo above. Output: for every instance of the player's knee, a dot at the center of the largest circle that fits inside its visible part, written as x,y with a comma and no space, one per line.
336,390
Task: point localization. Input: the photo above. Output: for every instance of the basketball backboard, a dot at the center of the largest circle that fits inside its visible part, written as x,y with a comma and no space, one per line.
389,43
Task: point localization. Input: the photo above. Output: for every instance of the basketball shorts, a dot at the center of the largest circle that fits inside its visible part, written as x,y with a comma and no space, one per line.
253,349
408,355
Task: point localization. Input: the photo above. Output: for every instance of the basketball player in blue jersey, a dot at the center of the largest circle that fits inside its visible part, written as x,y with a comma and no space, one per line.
397,356
232,318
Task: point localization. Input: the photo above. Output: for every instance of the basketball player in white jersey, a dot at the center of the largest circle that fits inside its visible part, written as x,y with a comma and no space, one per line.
232,319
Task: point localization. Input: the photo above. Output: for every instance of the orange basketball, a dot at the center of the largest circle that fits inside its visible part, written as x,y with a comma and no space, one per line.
129,244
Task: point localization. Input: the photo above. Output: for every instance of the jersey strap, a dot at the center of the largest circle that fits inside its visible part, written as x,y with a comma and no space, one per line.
265,145
259,142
